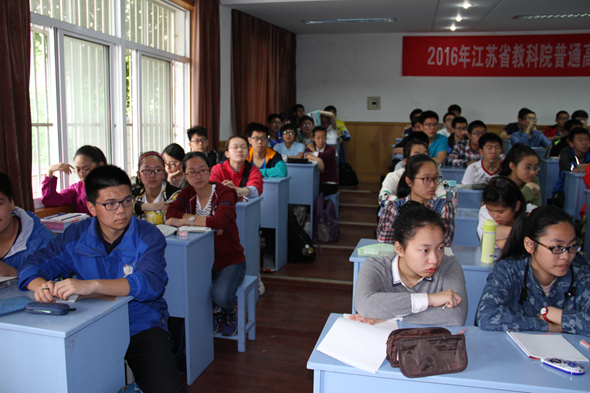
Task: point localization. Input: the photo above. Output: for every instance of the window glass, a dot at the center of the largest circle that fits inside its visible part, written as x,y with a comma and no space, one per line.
92,14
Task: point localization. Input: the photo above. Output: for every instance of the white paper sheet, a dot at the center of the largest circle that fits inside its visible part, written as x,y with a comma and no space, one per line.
358,344
547,346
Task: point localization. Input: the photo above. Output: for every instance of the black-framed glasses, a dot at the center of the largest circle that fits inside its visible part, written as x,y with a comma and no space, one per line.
114,205
429,180
172,164
199,141
202,173
558,250
147,172
258,138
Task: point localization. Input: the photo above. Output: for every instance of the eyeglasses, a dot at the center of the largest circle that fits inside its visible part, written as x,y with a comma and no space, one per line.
172,164
114,205
288,133
201,173
461,128
199,141
573,249
258,138
430,124
240,147
429,180
478,133
148,172
530,168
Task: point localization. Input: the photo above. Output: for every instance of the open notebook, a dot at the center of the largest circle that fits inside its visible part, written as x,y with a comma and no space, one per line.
540,346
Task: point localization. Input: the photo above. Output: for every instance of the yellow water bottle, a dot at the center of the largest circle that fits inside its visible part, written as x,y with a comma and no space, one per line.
488,241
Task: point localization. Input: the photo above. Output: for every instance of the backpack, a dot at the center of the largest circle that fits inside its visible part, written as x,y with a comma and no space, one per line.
347,175
325,221
299,246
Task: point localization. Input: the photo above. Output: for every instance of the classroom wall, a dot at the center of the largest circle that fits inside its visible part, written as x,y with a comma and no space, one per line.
343,70
225,124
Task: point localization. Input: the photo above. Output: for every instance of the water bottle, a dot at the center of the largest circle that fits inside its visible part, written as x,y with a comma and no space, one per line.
453,195
488,241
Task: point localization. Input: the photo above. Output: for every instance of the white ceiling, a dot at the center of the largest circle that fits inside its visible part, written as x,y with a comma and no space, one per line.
415,16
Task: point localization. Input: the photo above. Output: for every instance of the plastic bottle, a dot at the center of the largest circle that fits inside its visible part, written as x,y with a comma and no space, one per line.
488,241
453,194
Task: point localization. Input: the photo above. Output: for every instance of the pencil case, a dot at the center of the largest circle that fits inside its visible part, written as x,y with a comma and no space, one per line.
421,352
47,308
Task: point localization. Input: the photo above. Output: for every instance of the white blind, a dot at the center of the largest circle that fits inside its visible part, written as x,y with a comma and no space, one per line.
155,99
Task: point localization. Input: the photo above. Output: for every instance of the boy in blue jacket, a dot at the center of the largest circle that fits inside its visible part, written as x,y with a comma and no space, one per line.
114,254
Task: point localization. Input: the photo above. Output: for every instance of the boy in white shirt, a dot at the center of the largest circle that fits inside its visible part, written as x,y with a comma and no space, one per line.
490,148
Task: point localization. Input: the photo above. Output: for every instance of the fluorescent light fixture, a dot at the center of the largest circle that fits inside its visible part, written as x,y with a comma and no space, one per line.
553,16
466,5
458,18
362,20
453,28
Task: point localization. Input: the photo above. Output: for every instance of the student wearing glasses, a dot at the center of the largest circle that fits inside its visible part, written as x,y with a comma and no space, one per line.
467,151
419,283
113,254
521,166
269,162
418,184
541,283
197,137
154,193
289,148
437,143
86,159
528,135
173,155
213,205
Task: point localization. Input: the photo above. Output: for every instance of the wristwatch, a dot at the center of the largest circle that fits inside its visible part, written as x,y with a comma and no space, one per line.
191,220
544,312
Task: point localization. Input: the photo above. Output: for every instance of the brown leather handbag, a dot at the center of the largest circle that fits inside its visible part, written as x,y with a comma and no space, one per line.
420,352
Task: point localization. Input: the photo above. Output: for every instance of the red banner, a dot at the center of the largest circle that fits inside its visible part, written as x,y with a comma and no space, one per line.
505,55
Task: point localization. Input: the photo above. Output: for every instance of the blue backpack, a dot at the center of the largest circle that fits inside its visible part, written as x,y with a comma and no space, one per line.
325,221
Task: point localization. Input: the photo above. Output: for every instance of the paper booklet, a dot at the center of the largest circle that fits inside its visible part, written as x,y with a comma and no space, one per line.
194,229
358,344
539,346
167,230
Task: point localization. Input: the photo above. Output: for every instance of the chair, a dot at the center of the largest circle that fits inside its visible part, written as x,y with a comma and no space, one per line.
246,301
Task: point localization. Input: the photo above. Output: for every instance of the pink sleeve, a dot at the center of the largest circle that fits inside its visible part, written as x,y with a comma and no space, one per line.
51,198
255,179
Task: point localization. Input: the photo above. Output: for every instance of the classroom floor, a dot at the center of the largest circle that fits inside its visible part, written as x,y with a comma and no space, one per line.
292,312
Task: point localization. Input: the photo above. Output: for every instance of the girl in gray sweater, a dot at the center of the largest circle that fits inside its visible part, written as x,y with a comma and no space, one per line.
419,284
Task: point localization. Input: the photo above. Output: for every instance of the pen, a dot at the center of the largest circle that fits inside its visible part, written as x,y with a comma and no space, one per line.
67,218
585,344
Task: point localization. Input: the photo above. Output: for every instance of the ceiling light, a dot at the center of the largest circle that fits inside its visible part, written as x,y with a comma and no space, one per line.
453,28
315,22
553,16
458,18
466,5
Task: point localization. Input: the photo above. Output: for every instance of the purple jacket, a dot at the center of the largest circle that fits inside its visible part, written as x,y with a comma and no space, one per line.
330,173
74,194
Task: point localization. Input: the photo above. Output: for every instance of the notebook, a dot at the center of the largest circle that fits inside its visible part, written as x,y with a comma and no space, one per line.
194,229
540,346
12,304
167,230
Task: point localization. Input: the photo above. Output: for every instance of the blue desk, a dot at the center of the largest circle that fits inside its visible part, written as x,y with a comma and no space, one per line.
453,173
248,220
188,294
469,199
476,273
82,351
273,214
541,151
304,187
548,175
495,364
466,228
574,194
507,146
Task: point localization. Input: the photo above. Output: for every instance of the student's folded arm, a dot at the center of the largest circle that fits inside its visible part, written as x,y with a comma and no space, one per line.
578,321
255,180
51,198
454,160
440,157
386,221
498,308
149,278
216,174
279,170
179,207
372,302
454,280
224,214
49,262
448,216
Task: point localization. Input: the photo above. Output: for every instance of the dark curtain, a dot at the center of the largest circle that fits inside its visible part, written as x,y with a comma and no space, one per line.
205,69
263,70
15,111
